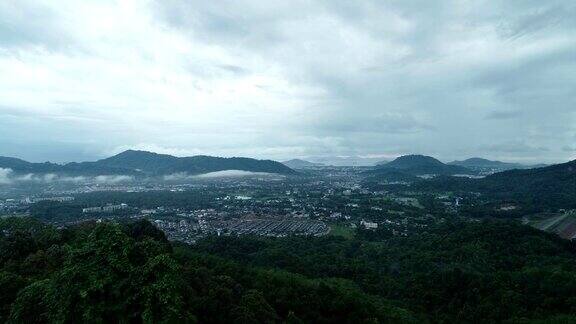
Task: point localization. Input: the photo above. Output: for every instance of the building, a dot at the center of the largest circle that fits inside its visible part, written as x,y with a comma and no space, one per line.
368,225
56,199
105,209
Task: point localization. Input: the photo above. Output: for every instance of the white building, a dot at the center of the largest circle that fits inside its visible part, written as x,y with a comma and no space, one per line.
368,225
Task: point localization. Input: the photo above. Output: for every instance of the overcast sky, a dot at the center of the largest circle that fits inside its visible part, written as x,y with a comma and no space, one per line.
80,80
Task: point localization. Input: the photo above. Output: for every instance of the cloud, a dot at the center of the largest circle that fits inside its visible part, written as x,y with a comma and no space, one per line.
182,176
113,179
50,177
28,177
179,176
516,147
5,176
234,174
31,177
77,179
272,79
500,115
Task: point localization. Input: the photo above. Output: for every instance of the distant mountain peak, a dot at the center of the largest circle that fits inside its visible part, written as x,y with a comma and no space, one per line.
417,164
138,153
299,163
413,159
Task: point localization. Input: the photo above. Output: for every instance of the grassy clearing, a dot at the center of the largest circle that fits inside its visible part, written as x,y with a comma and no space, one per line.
341,230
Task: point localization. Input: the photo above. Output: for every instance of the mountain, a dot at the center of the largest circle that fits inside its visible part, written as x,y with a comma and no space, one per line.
550,187
21,166
484,163
382,162
14,164
300,164
162,164
551,177
420,165
534,166
346,161
142,163
86,168
480,164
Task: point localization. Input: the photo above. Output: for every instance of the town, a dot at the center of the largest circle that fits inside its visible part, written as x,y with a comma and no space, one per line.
325,200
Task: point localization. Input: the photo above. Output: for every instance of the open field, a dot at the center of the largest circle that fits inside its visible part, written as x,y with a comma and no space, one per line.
341,230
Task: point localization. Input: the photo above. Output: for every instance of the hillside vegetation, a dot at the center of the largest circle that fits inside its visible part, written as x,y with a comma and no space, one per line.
456,273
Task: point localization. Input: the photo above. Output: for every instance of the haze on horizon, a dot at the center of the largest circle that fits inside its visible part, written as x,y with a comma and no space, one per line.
82,80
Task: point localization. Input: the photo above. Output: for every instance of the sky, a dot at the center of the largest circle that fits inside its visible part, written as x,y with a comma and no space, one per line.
82,80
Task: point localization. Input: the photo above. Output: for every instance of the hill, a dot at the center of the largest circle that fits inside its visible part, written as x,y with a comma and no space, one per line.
481,164
484,163
162,164
142,163
556,180
86,168
550,187
347,161
300,164
420,165
15,164
130,273
472,267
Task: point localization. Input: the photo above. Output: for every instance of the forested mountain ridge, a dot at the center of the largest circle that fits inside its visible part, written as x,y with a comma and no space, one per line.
556,180
419,165
489,272
129,273
155,163
19,166
454,273
540,188
298,163
142,163
485,163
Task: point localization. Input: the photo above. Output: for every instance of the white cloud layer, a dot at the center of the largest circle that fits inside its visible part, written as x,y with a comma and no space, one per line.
276,79
182,176
8,177
5,176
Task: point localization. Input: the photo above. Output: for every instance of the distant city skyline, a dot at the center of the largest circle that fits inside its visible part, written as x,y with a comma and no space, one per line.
83,80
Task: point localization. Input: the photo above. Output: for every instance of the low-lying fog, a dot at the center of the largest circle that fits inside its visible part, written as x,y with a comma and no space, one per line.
8,177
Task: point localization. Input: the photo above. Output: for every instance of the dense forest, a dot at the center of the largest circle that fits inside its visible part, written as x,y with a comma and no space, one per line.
455,273
129,273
